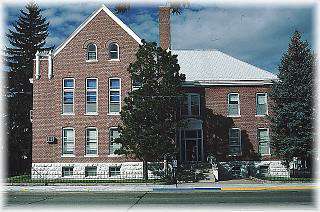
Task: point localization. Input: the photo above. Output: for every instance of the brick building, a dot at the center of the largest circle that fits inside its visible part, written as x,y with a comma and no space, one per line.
80,86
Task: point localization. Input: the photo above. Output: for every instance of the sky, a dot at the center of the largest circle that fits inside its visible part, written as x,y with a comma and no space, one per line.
256,34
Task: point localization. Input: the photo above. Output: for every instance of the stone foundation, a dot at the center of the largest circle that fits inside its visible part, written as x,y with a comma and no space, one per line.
243,169
128,170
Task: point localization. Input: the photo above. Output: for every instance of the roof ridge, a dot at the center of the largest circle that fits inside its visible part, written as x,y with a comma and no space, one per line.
104,8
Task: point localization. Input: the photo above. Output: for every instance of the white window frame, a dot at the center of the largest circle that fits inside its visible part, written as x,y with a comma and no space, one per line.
118,52
92,90
188,95
115,176
87,53
86,136
240,142
68,89
68,176
63,142
258,138
238,115
85,172
266,96
109,96
110,141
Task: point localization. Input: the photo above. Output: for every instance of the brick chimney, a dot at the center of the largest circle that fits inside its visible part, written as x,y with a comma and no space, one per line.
164,27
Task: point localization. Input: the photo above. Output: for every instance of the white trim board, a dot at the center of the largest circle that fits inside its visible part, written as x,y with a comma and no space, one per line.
92,16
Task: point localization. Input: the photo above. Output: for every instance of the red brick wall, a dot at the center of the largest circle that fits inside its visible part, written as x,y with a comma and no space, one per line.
71,62
214,106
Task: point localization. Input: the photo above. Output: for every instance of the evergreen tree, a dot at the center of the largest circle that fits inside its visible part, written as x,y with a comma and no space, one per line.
149,117
292,115
27,37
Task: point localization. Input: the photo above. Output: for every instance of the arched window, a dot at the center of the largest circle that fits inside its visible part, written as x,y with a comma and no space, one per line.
91,52
113,51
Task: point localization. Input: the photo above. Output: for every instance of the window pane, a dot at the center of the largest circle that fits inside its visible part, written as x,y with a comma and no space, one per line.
233,109
114,84
90,171
68,83
233,98
113,47
184,106
115,98
234,150
114,134
91,108
68,108
191,133
114,107
113,55
68,97
92,133
261,99
91,96
234,133
91,83
261,109
92,56
91,47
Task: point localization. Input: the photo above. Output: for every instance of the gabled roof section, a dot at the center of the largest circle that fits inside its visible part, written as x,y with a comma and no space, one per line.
215,67
92,16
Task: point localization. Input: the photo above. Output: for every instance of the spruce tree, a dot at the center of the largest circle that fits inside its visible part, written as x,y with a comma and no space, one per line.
149,116
27,37
292,108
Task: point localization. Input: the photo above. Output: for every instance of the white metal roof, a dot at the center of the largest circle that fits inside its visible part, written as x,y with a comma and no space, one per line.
212,66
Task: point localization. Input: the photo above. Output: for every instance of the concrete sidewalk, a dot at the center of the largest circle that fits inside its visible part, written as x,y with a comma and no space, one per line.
163,188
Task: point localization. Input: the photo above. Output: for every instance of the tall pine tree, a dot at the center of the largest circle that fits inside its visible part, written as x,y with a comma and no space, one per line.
292,117
27,37
149,116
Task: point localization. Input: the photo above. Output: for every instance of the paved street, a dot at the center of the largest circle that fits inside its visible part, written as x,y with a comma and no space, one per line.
134,200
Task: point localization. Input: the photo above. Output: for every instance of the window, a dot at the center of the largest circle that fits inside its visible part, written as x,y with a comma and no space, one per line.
91,52
114,171
190,105
91,141
68,141
68,96
113,145
90,171
67,171
114,95
264,141
191,145
136,85
233,104
113,51
262,106
264,171
234,141
91,96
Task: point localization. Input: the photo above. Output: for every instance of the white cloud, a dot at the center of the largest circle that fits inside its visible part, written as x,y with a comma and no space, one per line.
255,35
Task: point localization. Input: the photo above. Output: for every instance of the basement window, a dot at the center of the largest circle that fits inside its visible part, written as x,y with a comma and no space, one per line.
67,171
114,171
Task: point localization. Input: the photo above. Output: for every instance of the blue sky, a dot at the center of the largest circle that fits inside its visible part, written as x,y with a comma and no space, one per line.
258,35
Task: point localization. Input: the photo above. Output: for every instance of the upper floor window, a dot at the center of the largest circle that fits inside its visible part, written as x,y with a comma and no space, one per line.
68,141
113,146
190,105
91,95
264,141
91,141
233,104
68,96
234,141
136,85
91,52
113,51
114,95
262,105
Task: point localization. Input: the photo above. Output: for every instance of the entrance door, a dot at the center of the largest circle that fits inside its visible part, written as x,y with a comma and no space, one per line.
191,150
